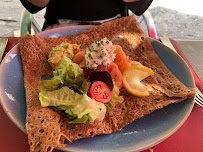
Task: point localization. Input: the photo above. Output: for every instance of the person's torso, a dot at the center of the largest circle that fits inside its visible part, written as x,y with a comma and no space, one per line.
84,10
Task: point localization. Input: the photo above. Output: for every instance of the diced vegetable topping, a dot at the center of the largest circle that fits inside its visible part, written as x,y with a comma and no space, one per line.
64,49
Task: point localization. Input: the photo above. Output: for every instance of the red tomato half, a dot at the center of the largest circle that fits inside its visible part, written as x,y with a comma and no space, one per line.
100,92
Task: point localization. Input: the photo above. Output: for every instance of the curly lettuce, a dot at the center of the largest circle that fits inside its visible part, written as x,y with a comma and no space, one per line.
80,108
114,98
68,74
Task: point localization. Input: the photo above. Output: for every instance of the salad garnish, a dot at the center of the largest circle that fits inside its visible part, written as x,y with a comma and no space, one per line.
86,82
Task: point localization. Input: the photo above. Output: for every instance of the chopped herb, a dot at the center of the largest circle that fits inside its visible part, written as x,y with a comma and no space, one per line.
103,53
105,92
126,93
100,56
141,50
107,42
93,50
115,51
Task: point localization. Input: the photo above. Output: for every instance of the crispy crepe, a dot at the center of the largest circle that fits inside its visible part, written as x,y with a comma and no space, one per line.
48,129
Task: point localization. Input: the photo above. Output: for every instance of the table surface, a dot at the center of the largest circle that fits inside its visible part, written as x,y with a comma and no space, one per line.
188,138
193,51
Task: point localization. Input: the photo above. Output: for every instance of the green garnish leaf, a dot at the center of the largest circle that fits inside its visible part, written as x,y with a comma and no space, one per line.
80,108
115,98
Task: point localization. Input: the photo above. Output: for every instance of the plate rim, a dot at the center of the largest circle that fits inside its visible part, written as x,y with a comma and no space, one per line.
2,102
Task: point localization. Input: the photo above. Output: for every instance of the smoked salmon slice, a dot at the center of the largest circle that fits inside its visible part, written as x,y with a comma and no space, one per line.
116,74
121,59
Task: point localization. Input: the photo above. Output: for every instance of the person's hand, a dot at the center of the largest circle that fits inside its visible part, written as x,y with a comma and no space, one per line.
130,1
39,3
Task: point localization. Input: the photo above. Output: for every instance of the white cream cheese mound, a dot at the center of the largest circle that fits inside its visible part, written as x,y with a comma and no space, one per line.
101,52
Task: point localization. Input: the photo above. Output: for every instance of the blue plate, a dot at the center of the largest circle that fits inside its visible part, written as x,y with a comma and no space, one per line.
139,135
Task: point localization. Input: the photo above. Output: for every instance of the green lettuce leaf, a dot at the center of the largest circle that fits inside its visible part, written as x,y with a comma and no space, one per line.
115,98
79,107
68,74
74,74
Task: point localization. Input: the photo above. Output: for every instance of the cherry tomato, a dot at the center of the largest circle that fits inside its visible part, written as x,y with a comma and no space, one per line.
100,92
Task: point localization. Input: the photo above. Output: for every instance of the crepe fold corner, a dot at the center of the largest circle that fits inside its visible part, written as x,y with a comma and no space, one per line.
48,129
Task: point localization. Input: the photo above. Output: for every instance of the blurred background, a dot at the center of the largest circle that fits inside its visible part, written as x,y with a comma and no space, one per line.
176,19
